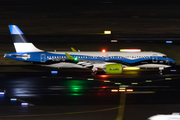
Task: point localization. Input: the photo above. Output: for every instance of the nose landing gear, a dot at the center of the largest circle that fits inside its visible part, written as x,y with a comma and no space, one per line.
160,70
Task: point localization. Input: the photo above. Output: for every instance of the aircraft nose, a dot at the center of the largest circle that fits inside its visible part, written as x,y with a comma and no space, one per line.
174,63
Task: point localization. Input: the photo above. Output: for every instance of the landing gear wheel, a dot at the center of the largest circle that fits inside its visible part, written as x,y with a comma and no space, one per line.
161,69
93,74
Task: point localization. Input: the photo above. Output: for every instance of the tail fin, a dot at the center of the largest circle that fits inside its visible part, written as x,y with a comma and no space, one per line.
21,44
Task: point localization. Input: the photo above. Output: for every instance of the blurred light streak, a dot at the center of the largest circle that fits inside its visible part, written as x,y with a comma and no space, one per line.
114,90
90,79
104,76
24,104
1,93
68,77
13,99
107,32
75,87
173,70
167,78
134,83
169,42
124,86
106,81
148,80
113,40
76,94
129,90
130,50
54,72
117,83
122,90
131,68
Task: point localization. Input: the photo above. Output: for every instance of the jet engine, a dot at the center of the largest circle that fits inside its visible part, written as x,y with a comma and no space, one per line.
113,68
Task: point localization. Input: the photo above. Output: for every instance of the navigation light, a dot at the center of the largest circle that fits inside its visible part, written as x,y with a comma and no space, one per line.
75,58
103,51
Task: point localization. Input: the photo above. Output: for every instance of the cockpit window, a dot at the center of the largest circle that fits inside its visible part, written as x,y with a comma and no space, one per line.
164,57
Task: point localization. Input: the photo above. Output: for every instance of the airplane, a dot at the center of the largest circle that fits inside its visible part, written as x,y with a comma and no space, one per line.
109,62
173,116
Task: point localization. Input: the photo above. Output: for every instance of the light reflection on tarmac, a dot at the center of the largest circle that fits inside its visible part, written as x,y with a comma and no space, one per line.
81,94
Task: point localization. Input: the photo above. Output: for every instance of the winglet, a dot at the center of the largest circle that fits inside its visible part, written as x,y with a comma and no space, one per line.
69,56
73,49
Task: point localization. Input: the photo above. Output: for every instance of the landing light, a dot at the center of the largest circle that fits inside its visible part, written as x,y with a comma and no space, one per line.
130,50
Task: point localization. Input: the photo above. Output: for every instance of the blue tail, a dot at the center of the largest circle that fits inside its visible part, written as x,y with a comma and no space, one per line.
21,44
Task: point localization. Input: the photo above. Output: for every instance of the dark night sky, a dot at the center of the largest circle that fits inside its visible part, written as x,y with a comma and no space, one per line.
83,17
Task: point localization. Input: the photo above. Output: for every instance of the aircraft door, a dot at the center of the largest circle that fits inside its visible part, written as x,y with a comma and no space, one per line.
154,58
106,57
43,57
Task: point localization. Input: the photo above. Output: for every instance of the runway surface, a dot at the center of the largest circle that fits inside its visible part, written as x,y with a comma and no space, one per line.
74,94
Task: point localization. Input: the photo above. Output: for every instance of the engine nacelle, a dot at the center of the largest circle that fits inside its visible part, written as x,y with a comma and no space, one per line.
113,68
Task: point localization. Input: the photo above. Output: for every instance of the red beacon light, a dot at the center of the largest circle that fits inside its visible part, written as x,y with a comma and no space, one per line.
103,50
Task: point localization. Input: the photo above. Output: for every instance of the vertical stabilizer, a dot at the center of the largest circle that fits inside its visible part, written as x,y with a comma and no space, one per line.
21,44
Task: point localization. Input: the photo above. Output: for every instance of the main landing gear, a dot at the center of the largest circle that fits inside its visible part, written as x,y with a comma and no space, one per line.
94,71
